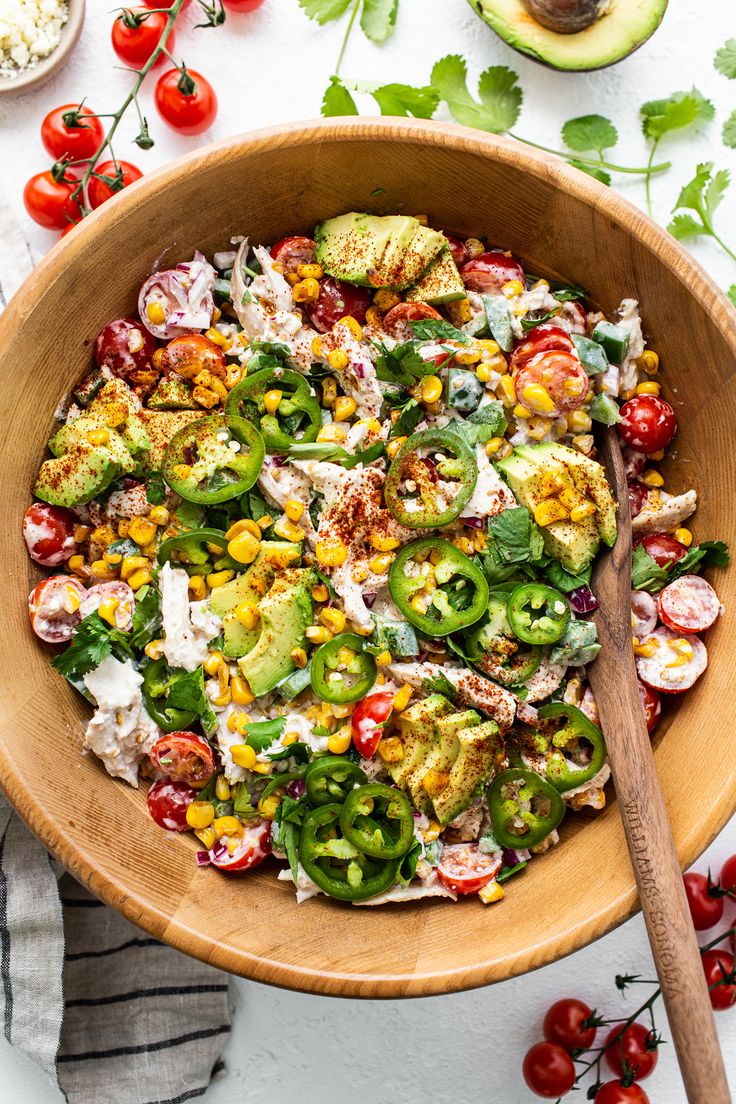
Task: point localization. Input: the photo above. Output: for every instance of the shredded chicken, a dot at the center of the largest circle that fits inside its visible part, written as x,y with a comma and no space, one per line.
664,514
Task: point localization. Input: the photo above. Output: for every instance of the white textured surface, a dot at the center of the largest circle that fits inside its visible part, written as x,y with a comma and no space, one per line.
273,66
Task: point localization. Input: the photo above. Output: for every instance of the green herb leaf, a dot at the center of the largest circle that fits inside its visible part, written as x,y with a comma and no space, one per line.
92,642
324,10
685,226
507,872
436,329
501,96
528,324
146,617
242,803
261,734
680,110
317,450
155,488
706,554
378,19
402,364
646,574
403,99
562,580
513,537
485,422
725,59
408,420
364,456
703,194
568,294
186,692
337,100
729,131
592,170
499,92
589,132
439,685
731,293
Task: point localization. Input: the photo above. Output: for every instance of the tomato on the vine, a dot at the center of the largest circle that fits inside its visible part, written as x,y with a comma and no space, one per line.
134,45
186,101
718,965
613,1092
99,191
634,1048
548,1070
242,5
728,874
49,202
73,143
706,909
564,1024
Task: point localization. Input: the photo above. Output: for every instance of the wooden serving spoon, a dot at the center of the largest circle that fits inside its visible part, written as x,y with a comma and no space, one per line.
641,801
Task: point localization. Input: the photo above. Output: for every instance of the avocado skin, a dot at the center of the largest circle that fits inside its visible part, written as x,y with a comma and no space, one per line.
511,22
286,610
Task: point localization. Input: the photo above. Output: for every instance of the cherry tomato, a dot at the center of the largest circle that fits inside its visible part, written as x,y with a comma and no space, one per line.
337,300
250,849
716,965
125,347
53,607
459,252
631,1048
663,548
168,803
242,5
49,533
689,605
465,869
77,143
99,191
544,338
369,718
561,374
659,671
706,910
184,757
638,495
564,1025
119,592
294,251
651,703
189,113
49,202
643,613
158,4
548,1070
396,321
648,423
194,353
728,874
134,45
613,1092
490,271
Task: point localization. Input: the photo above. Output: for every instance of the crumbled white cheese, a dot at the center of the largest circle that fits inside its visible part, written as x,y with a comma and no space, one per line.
121,732
188,626
29,30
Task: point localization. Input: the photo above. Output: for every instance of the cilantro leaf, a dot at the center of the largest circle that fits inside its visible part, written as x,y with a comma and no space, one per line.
729,131
323,11
436,329
646,574
592,170
499,92
261,734
513,537
378,19
155,488
703,194
146,617
557,577
589,132
725,59
680,110
90,644
403,99
363,456
186,691
402,364
337,100
731,293
685,226
706,554
408,420
485,422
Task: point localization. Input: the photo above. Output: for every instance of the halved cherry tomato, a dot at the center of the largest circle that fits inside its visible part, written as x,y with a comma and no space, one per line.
294,251
242,5
663,548
706,909
562,376
49,533
490,271
633,1049
248,850
369,717
689,605
99,191
125,347
168,803
184,757
117,590
76,143
53,607
564,1024
187,112
134,45
544,338
458,249
651,703
337,300
643,613
648,423
49,202
194,353
638,495
717,965
465,869
396,321
613,1092
669,669
548,1070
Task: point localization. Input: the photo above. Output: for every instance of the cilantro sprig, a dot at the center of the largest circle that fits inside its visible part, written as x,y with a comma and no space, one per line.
679,111
697,204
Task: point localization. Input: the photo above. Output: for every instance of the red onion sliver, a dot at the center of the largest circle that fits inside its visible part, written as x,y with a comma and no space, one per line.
583,600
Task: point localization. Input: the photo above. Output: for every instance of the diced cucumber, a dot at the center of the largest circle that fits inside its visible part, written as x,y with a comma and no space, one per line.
604,409
396,637
592,355
477,326
223,291
614,339
464,390
498,313
292,686
88,388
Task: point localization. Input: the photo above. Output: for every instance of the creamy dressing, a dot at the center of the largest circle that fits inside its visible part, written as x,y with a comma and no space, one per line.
188,626
120,732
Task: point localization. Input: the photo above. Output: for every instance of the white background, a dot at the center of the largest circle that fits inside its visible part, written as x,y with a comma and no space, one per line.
272,66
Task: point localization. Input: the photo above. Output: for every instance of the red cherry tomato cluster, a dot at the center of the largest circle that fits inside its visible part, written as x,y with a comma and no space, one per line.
706,898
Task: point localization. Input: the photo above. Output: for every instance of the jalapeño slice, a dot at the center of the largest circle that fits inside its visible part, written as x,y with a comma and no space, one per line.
297,417
378,820
538,614
214,459
342,671
577,750
157,678
331,779
335,864
437,587
430,479
524,808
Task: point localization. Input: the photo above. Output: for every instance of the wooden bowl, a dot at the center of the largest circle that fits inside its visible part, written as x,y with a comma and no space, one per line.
45,69
267,184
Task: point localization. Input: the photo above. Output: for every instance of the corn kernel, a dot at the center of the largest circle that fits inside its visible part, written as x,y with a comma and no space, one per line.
306,291
491,892
289,530
227,826
652,478
281,557
384,544
505,390
320,593
333,618
649,361
329,391
402,697
468,356
244,548
294,509
339,742
385,299
380,564
391,749
648,388
243,526
154,649
77,565
495,447
431,389
512,288
207,837
159,515
248,614
219,578
107,610
345,656
537,398
205,397
647,649
310,271
435,781
262,768
200,814
269,807
142,530
583,510
331,553
332,433
384,658
550,511
464,544
352,325
684,536
538,427
218,338
359,573
338,359
393,446
374,317
243,756
318,634
271,400
299,658
155,313
139,579
197,588
234,373
182,471
344,408
222,788
419,604
214,662
240,691
317,346
98,436
459,312
584,442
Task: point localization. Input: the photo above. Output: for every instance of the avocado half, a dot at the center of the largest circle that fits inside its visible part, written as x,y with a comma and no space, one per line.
621,27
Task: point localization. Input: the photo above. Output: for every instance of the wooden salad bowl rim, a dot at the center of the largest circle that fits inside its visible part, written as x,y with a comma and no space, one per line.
99,829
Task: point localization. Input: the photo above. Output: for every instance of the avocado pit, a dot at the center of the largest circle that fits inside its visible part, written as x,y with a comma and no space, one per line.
566,16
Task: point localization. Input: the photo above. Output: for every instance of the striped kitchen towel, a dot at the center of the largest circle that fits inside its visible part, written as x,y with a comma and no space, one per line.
110,1014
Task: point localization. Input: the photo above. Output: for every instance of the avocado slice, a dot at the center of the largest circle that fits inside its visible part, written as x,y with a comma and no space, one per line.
621,27
416,731
377,250
285,612
589,479
251,586
118,396
77,476
440,284
480,746
172,394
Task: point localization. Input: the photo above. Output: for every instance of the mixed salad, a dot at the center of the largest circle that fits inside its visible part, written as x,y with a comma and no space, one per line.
321,521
